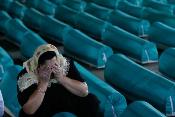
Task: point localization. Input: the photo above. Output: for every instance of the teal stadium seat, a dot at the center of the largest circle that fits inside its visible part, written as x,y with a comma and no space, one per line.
167,61
139,83
141,109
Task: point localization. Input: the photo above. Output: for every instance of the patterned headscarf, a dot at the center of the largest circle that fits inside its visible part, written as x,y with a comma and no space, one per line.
31,65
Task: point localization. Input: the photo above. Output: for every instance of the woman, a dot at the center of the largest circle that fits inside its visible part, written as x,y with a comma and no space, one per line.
49,84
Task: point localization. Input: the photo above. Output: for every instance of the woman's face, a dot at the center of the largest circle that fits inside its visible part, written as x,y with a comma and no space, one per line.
50,64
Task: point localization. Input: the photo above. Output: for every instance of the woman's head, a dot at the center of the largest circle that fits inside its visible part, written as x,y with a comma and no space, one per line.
43,56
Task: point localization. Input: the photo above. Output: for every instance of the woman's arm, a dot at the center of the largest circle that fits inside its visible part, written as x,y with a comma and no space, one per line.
36,99
74,86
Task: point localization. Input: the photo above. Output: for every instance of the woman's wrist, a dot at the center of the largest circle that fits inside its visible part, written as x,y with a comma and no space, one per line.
42,86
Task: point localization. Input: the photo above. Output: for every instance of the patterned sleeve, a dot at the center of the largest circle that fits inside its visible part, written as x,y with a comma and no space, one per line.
25,94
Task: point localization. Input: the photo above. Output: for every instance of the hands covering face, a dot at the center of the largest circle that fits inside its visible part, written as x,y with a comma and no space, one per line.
50,67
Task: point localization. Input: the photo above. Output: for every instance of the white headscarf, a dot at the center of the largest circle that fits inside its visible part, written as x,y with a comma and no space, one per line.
31,65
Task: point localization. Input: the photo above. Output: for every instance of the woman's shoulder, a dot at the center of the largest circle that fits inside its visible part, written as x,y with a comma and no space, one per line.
22,72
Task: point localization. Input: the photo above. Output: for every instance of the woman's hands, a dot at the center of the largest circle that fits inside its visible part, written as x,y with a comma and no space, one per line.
44,73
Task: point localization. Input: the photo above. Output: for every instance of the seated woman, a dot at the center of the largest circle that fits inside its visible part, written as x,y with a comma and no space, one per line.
50,84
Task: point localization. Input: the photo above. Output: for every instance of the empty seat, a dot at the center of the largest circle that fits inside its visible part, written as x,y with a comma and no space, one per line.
141,109
166,62
139,83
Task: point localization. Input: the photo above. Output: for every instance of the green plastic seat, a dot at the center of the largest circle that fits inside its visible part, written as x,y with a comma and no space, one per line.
141,50
139,83
166,62
157,34
141,109
44,6
96,54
